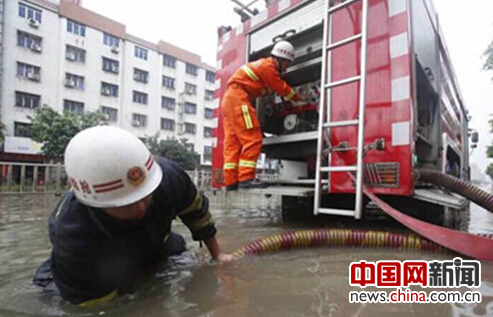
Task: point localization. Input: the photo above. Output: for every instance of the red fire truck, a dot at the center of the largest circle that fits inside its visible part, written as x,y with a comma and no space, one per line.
387,102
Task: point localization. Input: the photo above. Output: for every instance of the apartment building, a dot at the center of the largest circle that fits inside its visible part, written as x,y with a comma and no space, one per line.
68,58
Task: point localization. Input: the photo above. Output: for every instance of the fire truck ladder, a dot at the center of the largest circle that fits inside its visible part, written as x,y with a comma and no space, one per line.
325,124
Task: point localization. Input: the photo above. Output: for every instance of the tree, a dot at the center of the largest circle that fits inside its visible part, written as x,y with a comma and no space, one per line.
489,153
488,55
2,128
54,130
488,66
175,150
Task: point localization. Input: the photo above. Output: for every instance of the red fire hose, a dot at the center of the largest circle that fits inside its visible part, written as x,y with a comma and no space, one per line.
475,246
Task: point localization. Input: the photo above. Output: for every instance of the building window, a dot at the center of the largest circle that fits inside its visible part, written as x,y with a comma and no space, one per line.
73,106
208,113
190,108
207,132
140,53
28,71
22,130
169,61
190,89
210,76
139,120
75,54
167,124
111,114
74,81
76,28
141,75
29,41
110,65
25,100
140,97
168,103
190,128
108,89
169,82
191,69
207,153
111,40
209,95
28,12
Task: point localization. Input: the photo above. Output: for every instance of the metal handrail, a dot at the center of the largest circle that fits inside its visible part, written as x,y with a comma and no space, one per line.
28,178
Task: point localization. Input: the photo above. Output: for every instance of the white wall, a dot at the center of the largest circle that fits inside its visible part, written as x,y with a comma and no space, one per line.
48,61
54,66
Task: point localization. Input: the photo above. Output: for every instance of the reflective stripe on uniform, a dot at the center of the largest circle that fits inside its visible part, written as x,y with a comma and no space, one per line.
249,72
202,222
230,166
246,117
244,163
291,94
100,300
195,205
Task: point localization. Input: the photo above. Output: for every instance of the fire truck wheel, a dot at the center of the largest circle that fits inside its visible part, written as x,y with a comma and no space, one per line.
296,208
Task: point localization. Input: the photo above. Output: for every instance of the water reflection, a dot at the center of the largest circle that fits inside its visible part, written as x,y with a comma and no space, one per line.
299,283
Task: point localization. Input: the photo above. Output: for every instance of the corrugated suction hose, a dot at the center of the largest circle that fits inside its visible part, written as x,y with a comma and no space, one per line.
458,186
338,237
464,243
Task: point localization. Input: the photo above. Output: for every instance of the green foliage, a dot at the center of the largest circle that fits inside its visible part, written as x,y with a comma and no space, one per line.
175,150
488,55
54,130
2,128
489,170
489,151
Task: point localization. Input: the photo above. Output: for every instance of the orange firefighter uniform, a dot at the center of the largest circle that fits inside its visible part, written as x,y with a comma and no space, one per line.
242,132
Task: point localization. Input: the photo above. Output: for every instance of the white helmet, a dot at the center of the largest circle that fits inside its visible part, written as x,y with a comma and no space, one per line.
283,49
110,167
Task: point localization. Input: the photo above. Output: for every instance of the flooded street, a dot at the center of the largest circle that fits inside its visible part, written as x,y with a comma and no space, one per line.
308,282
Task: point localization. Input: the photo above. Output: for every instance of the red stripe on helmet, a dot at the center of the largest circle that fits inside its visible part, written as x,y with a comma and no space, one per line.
150,165
109,189
149,161
107,184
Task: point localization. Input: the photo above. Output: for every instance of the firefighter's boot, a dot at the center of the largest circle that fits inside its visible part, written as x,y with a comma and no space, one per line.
253,183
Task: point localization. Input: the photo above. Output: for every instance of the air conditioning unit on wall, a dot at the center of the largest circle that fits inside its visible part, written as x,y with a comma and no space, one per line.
35,47
33,23
105,91
70,56
69,83
33,76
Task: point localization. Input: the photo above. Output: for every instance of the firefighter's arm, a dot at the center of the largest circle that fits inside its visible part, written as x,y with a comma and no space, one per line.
192,207
199,220
215,251
270,76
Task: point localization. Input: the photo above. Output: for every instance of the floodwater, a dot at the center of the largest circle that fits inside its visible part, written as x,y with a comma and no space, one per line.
302,283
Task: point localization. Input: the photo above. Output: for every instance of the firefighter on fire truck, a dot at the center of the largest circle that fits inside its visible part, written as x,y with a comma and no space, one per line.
243,135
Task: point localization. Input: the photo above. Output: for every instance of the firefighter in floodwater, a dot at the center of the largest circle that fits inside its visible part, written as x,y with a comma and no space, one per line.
242,131
114,226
